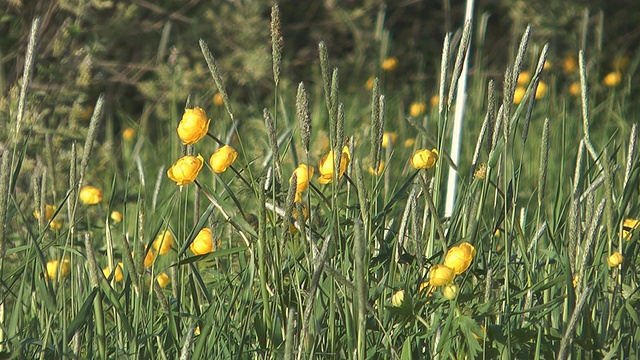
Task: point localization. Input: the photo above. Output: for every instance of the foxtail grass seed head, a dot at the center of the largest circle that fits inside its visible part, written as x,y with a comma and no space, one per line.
163,242
277,42
376,127
186,169
29,61
631,155
326,166
90,195
193,126
270,125
457,68
441,275
615,260
91,135
222,159
424,159
203,243
304,116
217,78
544,162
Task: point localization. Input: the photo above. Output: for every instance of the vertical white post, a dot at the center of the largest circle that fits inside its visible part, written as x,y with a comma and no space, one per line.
461,97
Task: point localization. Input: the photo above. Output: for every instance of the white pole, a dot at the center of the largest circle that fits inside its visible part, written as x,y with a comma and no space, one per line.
461,97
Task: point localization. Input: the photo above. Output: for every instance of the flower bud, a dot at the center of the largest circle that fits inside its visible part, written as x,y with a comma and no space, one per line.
193,126
222,159
116,216
163,280
186,169
398,298
390,64
424,159
450,291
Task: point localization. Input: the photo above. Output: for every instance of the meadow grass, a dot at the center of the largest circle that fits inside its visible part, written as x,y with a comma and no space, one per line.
546,183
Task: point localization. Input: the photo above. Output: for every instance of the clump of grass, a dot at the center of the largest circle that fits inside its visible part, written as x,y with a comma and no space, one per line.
361,265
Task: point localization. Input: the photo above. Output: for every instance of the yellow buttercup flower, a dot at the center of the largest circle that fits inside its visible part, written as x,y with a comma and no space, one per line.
56,224
90,195
218,100
440,275
481,172
369,84
541,90
450,291
222,159
518,95
203,243
54,267
326,166
148,258
163,280
417,108
575,88
163,242
620,63
570,64
116,216
117,276
424,159
612,79
615,259
193,126
292,226
409,142
128,134
389,138
379,171
524,78
459,257
303,175
397,299
390,64
434,101
186,169
628,227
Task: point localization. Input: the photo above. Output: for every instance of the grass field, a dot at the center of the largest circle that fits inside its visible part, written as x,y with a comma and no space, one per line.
198,233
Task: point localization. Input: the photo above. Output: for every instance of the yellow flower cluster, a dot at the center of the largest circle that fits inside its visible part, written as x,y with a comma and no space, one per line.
193,126
456,261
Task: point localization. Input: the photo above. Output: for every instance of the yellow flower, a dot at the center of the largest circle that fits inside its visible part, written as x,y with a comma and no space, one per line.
217,99
148,259
128,134
389,138
397,299
524,78
203,243
55,266
193,126
541,90
90,195
369,84
570,64
615,259
222,159
409,142
56,224
163,242
116,216
417,108
294,213
518,95
326,166
450,291
620,63
481,172
185,170
628,226
380,169
441,275
424,159
389,64
459,257
118,276
434,101
163,280
612,79
303,174
575,88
